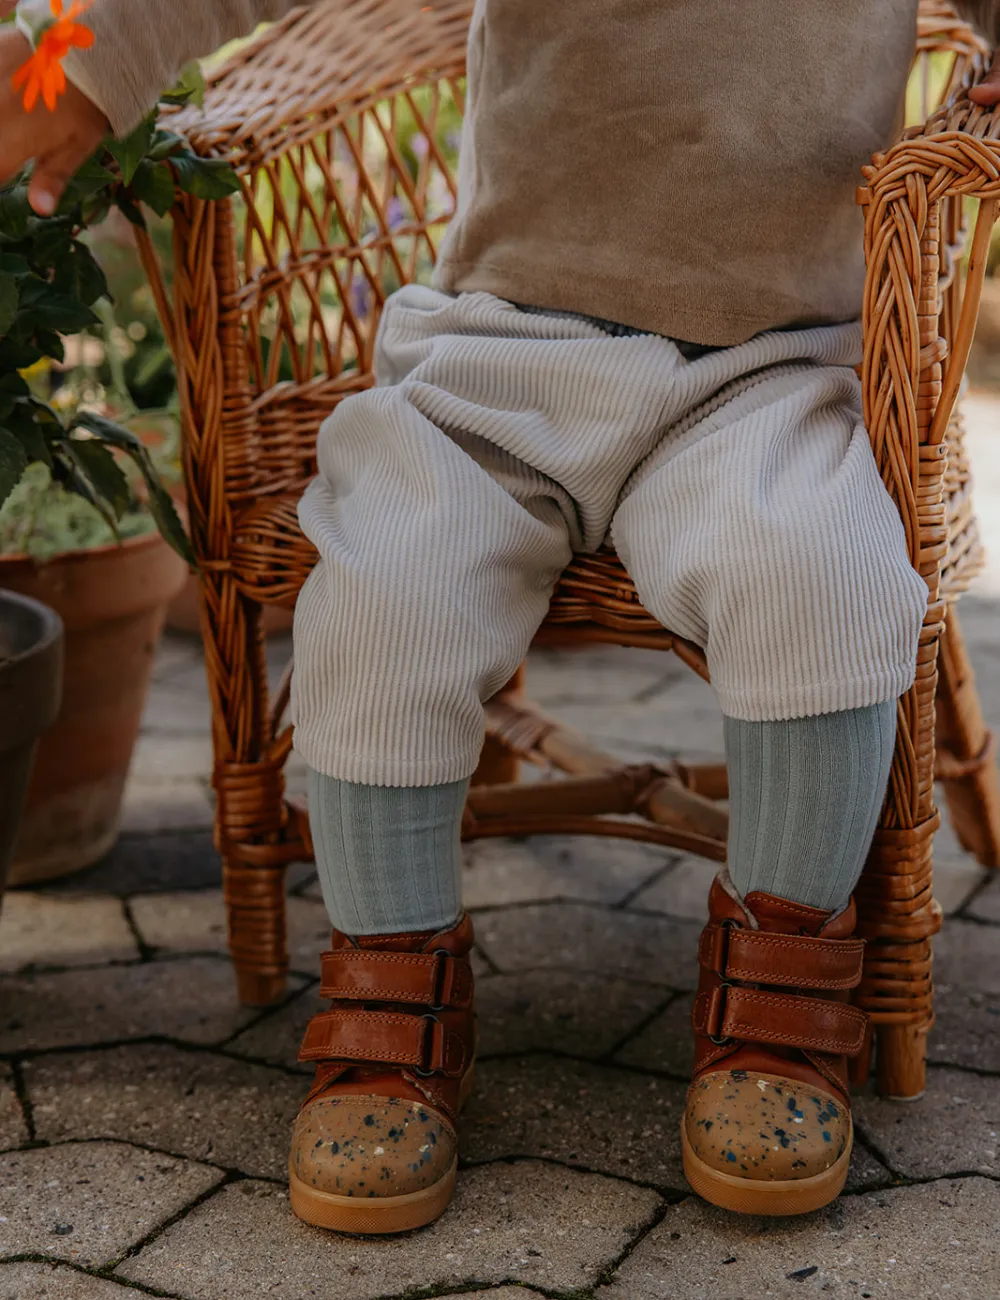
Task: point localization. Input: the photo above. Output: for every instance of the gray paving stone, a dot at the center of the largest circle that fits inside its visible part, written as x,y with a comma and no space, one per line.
574,1012
598,672
986,905
952,1129
967,1028
556,1229
866,1172
666,1043
683,720
194,1104
150,863
56,1282
178,707
87,1202
192,1000
164,760
500,871
655,949
681,891
177,654
610,1121
13,1130
275,1038
938,1239
967,955
150,808
195,921
956,879
44,930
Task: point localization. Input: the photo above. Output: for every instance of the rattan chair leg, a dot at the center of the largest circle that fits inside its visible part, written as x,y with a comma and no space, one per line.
255,921
966,751
901,1062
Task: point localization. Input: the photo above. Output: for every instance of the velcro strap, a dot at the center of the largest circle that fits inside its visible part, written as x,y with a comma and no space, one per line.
432,979
782,1019
794,960
385,1038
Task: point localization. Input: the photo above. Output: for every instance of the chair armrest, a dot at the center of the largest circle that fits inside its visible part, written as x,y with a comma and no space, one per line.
919,313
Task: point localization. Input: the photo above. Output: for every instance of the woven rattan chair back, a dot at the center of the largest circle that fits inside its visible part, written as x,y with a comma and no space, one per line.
343,122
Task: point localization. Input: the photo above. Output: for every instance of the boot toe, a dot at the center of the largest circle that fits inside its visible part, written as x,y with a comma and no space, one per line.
764,1126
371,1146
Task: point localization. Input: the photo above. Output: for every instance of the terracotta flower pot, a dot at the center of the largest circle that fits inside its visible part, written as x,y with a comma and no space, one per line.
31,668
112,600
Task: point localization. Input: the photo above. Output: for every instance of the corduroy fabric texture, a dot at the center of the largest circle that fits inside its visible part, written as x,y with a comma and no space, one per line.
389,859
740,489
804,800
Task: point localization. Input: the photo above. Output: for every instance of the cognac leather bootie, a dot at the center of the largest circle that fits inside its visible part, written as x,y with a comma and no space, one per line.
374,1147
767,1125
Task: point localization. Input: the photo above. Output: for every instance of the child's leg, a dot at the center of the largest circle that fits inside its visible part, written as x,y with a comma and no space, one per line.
447,504
389,857
761,530
805,796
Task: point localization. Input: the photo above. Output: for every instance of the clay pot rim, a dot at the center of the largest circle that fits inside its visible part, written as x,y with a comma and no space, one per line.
81,553
51,627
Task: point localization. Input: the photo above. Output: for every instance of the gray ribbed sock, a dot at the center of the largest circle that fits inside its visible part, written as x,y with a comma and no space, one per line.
804,800
389,858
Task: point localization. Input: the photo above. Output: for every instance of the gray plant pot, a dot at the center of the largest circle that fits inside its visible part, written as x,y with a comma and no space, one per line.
31,671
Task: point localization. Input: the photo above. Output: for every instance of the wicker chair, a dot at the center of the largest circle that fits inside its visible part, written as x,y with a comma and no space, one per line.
341,121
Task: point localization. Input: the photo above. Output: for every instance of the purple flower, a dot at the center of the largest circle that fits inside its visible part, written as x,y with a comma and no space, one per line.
395,213
419,145
361,296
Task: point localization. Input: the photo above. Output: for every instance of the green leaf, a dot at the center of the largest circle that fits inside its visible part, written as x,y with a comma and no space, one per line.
191,86
153,183
79,273
160,505
14,264
12,388
42,307
13,463
8,302
115,435
15,212
31,434
87,181
102,471
165,143
205,178
95,209
129,210
51,345
130,152
66,471
49,240
15,354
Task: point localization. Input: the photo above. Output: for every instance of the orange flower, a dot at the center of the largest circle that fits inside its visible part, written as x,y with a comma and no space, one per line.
43,73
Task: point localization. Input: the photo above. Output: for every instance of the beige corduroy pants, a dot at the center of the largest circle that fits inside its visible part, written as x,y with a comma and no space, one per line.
739,489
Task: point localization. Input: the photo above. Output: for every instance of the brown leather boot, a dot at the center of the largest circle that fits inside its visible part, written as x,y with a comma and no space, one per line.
374,1147
767,1125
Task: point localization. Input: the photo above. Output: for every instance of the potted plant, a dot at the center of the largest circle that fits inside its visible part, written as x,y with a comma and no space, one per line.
30,692
86,525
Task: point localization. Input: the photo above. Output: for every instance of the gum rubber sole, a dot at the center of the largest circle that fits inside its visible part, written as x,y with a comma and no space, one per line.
371,1215
755,1196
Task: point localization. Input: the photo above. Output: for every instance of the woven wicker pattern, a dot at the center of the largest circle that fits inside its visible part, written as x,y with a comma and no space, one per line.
343,121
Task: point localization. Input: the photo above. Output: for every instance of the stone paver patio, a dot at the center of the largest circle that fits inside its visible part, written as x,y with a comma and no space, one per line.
144,1114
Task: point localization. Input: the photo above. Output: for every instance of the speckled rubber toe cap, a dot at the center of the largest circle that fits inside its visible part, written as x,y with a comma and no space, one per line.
764,1127
371,1146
